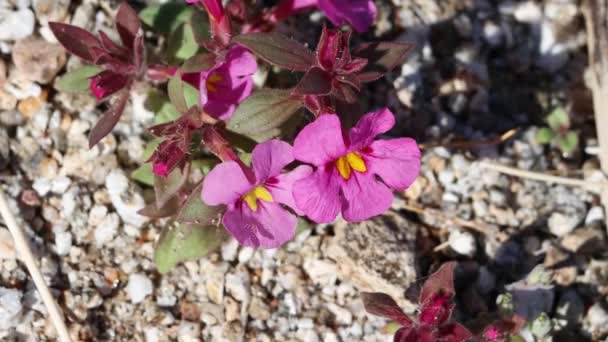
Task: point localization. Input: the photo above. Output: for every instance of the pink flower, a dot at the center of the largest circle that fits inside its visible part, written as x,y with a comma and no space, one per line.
107,83
359,13
226,84
345,179
254,215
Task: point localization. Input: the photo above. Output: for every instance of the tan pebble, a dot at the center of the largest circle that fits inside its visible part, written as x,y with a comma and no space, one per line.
32,105
48,168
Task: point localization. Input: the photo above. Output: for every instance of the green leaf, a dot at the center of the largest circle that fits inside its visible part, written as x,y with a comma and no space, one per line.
167,17
198,63
303,225
261,115
191,95
194,211
182,44
160,104
544,135
175,88
77,80
183,242
200,27
205,165
143,174
558,119
568,143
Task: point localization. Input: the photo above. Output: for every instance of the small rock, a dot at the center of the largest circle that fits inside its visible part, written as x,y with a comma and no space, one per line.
7,245
321,272
33,104
570,307
230,250
38,60
42,186
190,311
259,310
528,12
343,316
126,201
215,280
106,230
63,243
597,319
15,25
139,287
562,224
586,240
51,10
60,185
595,214
2,72
462,243
238,286
10,308
377,254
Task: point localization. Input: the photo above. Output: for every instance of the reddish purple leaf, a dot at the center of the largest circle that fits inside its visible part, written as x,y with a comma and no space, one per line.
127,25
111,46
328,48
436,311
454,332
198,63
440,282
382,57
76,40
107,83
402,334
316,81
381,304
109,119
278,50
351,80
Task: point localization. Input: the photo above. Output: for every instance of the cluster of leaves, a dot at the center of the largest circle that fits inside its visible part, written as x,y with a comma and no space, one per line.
187,137
558,132
432,323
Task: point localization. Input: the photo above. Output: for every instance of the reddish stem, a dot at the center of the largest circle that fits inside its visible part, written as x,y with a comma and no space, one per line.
216,143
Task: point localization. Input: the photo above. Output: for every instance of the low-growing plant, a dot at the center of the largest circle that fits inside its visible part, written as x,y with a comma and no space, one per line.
432,322
558,132
213,120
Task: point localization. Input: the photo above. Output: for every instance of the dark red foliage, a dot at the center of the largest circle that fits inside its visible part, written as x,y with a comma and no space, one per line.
123,63
432,323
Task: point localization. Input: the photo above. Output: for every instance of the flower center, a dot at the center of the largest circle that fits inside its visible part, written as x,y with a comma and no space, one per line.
352,161
212,82
258,193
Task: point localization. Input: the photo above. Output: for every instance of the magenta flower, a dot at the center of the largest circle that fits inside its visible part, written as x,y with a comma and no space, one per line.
254,215
345,179
226,84
359,13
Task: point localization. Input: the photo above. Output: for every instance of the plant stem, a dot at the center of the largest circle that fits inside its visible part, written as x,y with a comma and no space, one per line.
27,257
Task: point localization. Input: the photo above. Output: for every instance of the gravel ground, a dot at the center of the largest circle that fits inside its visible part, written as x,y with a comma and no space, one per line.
480,68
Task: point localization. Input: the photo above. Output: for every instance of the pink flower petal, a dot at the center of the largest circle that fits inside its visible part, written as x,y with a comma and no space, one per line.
270,226
320,142
225,184
241,61
318,195
369,126
396,161
359,13
299,4
281,187
269,159
364,197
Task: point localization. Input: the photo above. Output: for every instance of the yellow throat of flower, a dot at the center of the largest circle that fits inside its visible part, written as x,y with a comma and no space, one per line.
258,193
352,161
212,82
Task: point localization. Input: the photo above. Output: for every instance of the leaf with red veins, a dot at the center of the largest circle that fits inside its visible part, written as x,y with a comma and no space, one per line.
354,66
436,311
453,332
351,80
127,25
109,119
382,57
139,53
381,304
77,41
440,282
316,81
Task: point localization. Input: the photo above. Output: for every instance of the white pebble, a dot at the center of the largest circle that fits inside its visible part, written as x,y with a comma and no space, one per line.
139,287
63,243
462,243
10,308
595,214
15,25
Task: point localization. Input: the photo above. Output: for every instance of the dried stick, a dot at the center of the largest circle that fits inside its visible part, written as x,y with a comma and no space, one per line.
580,183
25,253
596,19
